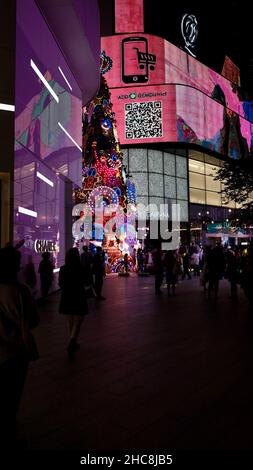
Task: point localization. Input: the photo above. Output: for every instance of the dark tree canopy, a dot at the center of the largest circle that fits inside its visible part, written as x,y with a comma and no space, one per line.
237,179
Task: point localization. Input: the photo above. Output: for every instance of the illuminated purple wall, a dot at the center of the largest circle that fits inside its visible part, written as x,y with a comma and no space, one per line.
47,135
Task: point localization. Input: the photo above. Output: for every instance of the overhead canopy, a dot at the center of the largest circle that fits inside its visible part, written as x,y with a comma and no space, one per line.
75,25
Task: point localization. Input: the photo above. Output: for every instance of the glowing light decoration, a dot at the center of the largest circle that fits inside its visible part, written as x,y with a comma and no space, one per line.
118,264
102,197
106,125
131,192
105,63
103,186
189,29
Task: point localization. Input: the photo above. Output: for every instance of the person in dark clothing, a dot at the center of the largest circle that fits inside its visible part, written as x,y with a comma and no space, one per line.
46,270
186,265
126,261
158,270
99,272
140,260
172,269
232,272
18,315
216,269
30,275
247,275
73,302
86,262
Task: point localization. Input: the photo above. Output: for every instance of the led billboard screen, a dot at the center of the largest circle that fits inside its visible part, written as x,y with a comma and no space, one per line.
161,94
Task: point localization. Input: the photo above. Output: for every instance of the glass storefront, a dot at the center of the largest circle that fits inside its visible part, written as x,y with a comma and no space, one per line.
160,177
204,189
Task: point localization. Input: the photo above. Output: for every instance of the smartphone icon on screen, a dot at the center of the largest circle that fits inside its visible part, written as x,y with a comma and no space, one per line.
135,60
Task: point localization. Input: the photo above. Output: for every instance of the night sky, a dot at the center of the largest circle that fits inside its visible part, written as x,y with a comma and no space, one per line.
225,28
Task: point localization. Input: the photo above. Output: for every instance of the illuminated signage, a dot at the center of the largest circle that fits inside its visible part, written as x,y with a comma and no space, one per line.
136,60
189,29
161,94
41,246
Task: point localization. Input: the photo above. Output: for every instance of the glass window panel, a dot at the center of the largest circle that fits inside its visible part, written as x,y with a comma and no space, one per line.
213,199
181,164
211,170
170,186
141,183
182,189
155,201
142,200
212,185
137,160
197,196
169,164
197,167
125,156
155,161
183,211
196,180
195,155
212,160
156,185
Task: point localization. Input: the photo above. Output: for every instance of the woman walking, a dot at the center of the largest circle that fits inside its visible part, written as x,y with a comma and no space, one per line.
172,267
73,301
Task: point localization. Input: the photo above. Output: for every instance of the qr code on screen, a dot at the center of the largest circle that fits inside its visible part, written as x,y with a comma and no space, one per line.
143,120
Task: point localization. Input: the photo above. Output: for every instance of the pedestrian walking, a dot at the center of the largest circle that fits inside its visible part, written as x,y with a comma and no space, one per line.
99,271
30,275
46,270
172,268
73,302
158,270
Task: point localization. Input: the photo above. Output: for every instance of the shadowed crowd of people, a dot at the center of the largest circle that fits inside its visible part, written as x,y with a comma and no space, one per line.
82,277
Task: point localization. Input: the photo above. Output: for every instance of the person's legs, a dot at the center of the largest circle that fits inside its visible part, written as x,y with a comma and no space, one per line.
98,285
216,287
158,282
77,322
70,323
174,288
45,286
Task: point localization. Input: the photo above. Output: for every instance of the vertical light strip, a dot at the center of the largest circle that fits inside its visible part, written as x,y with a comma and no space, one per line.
70,87
43,178
7,107
23,210
44,81
69,136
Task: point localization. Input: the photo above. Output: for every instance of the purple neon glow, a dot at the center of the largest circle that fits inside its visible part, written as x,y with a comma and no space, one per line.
43,152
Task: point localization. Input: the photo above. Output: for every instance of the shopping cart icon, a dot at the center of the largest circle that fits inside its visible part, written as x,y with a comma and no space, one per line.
146,59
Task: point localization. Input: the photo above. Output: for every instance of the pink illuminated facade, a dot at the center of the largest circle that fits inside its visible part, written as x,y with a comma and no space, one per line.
172,111
193,103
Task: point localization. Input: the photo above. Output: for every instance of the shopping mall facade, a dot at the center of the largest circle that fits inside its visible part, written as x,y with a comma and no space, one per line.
177,122
50,69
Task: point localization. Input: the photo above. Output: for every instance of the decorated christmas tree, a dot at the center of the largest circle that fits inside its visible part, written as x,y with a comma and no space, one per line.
104,178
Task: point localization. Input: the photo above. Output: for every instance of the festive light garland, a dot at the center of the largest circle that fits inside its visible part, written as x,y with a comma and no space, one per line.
102,196
105,63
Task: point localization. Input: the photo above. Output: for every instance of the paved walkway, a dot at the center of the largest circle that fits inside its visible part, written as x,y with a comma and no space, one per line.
152,372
